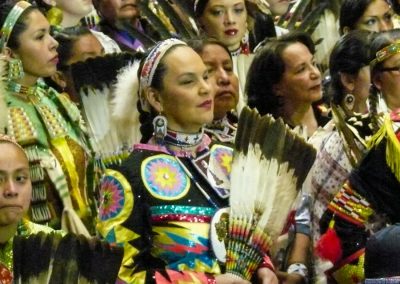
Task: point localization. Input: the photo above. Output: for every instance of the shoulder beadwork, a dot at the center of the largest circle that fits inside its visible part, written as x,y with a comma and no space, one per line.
116,198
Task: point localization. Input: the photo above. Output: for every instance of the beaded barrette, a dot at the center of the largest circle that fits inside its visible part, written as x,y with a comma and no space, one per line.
10,21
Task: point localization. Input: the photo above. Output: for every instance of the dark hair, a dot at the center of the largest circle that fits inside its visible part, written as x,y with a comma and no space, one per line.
146,118
380,41
200,7
66,40
350,13
20,25
198,45
349,55
267,69
396,6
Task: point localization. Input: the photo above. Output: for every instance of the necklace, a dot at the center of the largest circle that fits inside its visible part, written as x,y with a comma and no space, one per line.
183,140
236,52
21,91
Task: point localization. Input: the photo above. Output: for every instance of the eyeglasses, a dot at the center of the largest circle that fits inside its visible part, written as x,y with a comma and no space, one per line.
389,69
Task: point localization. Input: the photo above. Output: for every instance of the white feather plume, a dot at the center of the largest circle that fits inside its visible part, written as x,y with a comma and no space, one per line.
124,112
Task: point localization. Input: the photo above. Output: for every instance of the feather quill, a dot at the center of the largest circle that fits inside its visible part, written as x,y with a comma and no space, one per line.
3,106
269,166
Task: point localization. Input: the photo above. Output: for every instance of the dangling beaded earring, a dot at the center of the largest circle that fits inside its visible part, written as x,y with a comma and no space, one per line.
160,128
244,44
15,69
349,101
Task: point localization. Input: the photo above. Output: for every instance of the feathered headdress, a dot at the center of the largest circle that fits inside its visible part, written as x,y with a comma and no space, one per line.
269,167
94,80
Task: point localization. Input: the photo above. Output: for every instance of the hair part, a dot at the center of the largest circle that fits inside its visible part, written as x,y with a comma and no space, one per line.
199,44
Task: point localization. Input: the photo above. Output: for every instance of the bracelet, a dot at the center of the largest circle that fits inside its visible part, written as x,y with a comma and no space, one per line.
298,268
267,263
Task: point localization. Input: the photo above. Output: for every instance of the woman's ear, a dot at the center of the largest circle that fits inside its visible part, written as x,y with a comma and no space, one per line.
348,82
8,52
153,97
376,80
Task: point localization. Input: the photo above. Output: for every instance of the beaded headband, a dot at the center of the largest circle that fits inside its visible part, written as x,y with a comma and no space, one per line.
10,21
385,53
8,139
151,62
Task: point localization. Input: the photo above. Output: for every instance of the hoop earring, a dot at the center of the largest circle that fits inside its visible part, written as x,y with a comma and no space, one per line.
349,101
15,69
160,128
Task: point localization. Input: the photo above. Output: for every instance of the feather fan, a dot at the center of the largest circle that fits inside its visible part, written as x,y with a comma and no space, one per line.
157,24
3,106
184,30
146,40
269,167
68,259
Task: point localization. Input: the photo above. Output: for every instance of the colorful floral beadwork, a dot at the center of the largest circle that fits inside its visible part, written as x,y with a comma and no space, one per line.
164,178
223,156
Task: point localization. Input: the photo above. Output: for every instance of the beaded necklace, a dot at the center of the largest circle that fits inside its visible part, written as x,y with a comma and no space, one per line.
183,140
21,91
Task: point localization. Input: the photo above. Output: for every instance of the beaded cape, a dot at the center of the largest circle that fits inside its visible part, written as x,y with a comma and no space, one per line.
50,129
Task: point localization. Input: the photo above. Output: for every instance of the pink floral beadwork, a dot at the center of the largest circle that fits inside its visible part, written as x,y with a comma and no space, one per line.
112,198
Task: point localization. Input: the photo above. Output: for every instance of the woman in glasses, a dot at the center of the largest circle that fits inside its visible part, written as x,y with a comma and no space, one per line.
385,69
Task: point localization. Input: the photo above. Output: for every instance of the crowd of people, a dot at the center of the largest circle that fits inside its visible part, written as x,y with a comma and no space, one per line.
118,124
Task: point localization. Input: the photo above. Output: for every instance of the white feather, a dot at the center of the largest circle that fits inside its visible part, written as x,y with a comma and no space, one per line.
124,112
263,189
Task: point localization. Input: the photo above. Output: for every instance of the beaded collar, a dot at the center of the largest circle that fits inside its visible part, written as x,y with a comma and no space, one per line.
202,147
183,140
20,90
